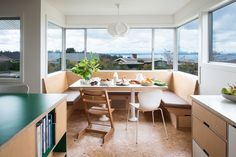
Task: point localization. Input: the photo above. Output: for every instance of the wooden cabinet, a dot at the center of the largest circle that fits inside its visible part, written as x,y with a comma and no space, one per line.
209,133
24,142
20,144
61,121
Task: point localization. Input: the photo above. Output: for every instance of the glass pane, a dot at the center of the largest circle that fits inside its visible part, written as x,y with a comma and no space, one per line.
124,53
10,47
224,34
54,46
188,47
164,48
74,46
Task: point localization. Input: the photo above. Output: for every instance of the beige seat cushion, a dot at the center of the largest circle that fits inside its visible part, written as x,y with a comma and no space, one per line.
72,96
170,99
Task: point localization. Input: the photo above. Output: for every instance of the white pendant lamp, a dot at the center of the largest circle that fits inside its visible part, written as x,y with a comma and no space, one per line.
119,28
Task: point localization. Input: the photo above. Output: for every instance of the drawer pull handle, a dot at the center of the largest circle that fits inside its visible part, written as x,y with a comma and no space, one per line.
205,152
205,123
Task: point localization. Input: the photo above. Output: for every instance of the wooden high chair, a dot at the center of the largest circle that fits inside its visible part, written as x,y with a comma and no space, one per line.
92,100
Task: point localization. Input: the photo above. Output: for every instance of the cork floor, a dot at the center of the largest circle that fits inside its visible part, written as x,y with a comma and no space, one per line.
152,141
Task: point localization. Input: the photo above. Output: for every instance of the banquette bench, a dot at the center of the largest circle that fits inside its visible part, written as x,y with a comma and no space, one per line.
59,82
176,99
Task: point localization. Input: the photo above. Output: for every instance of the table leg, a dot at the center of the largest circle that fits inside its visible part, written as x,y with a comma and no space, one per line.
104,118
132,118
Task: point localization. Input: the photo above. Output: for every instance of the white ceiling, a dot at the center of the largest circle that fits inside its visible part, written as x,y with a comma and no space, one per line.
127,7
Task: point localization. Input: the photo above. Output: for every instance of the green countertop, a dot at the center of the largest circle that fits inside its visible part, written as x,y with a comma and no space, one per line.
19,110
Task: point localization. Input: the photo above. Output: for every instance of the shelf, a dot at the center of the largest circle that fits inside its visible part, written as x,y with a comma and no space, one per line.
58,154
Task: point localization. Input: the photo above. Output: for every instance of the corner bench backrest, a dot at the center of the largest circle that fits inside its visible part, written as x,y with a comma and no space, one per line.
56,82
185,85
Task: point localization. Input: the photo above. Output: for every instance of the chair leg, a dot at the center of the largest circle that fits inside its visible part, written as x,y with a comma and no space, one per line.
137,122
163,119
153,122
127,117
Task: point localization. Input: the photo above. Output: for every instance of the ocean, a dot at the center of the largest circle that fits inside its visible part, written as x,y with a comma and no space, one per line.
192,57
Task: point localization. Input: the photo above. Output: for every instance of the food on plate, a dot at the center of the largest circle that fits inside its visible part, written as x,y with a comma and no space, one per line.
229,93
103,80
160,83
147,82
231,90
134,82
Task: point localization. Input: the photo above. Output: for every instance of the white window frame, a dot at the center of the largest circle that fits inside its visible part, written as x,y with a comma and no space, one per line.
21,79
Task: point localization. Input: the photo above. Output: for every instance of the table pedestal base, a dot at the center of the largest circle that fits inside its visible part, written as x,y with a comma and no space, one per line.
104,118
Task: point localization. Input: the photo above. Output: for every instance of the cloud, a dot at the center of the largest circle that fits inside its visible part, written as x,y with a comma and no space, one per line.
136,41
9,40
224,29
75,39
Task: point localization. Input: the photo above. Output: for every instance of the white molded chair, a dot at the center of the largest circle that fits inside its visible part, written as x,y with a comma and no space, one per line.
14,88
148,101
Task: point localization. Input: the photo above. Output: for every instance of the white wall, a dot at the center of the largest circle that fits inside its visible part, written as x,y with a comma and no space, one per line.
48,13
215,76
29,11
194,8
92,21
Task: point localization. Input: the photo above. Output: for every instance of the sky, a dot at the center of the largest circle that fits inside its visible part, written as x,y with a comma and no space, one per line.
136,41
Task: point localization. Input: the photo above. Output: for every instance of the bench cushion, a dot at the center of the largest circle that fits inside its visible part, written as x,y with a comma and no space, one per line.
72,96
170,99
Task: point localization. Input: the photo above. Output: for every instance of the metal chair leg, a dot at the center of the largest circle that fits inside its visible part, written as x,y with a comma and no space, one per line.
153,122
127,117
137,122
163,119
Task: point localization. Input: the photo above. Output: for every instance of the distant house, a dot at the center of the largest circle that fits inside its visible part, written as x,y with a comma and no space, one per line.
134,62
5,59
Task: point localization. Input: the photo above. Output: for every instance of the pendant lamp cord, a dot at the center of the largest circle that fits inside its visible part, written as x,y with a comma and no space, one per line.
118,11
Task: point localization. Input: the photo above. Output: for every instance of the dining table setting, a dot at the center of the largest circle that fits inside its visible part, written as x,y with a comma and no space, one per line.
123,84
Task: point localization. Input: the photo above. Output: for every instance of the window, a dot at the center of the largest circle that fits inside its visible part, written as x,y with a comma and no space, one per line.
74,46
163,48
10,46
54,47
224,34
131,52
188,47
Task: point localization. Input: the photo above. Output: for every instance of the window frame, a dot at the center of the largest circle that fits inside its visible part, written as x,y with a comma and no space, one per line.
174,49
21,71
62,47
151,48
65,45
178,41
210,35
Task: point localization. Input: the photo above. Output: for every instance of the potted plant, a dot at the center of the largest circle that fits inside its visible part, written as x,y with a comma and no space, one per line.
86,67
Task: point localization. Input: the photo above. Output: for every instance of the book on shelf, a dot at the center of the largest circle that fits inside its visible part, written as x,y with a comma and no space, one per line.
44,136
39,138
45,139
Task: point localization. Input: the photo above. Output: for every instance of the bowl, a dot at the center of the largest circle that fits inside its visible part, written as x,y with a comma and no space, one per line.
105,83
146,83
229,97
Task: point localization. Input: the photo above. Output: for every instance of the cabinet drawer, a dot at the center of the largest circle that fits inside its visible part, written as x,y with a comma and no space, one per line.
215,123
211,144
